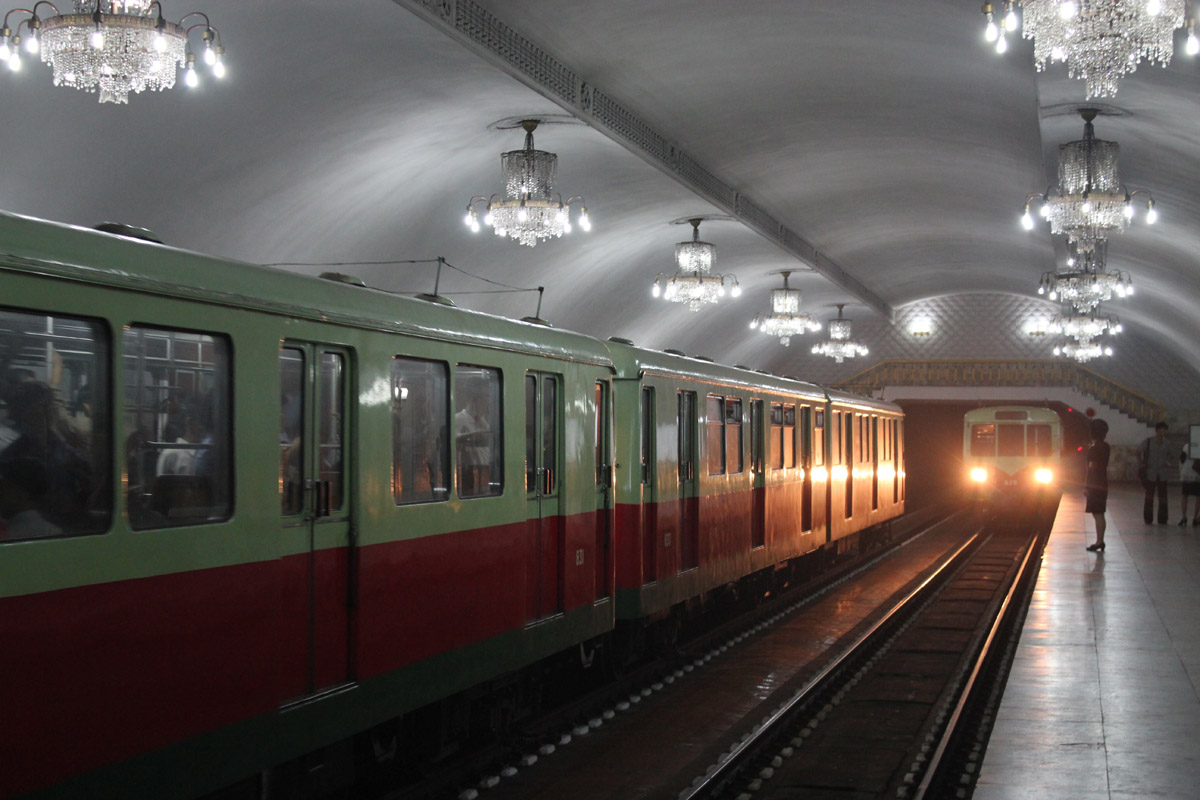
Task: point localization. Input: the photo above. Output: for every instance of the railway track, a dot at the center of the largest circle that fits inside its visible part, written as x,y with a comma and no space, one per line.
715,724
899,715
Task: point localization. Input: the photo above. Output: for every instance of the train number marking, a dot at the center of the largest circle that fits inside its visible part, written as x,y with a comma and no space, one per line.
579,558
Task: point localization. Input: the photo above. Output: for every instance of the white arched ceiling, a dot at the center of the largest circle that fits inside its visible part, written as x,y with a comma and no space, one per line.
887,137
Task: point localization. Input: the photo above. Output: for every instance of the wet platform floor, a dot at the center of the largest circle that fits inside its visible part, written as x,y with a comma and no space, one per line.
1103,700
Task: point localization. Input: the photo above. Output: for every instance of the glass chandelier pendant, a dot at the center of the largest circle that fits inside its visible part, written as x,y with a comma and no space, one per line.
1085,284
694,282
839,346
1089,203
113,46
530,210
785,320
1082,351
1085,327
1101,41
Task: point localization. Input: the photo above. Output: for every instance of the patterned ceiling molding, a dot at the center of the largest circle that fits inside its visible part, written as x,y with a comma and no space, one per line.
478,28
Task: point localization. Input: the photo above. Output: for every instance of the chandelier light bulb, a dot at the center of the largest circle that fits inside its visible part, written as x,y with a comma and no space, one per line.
1108,351
656,289
522,214
5,52
31,44
218,69
190,78
1001,44
1087,204
160,43
736,291
14,61
991,32
1058,54
1193,44
1067,9
1153,7
1010,19
488,219
585,222
97,38
1128,211
1151,213
1027,220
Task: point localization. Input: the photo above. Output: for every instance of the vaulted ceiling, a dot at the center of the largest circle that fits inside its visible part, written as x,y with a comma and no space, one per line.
880,150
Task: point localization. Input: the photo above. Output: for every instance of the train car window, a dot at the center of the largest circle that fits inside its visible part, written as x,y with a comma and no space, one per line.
478,431
818,443
1010,440
177,427
531,438
648,458
1038,441
291,426
789,436
983,440
715,440
849,451
55,426
420,426
777,436
331,424
550,432
733,435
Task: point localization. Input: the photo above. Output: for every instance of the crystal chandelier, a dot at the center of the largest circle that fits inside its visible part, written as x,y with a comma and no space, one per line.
694,282
1101,40
113,46
530,210
1083,351
1085,327
1089,202
786,319
1085,284
839,346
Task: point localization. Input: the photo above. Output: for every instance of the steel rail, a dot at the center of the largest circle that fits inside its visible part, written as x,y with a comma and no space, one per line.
713,780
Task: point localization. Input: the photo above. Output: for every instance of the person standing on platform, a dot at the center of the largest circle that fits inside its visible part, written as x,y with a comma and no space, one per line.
1155,465
1189,477
1095,482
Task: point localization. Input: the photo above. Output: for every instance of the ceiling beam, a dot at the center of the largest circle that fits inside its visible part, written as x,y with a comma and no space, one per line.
480,30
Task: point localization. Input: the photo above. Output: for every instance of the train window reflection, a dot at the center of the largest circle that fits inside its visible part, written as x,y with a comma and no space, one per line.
478,431
1010,440
983,440
55,427
177,427
1038,440
420,426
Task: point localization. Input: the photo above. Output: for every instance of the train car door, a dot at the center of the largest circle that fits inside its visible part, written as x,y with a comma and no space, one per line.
758,471
544,589
318,532
689,498
603,434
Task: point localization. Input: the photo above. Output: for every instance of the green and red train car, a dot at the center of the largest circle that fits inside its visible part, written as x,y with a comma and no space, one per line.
251,520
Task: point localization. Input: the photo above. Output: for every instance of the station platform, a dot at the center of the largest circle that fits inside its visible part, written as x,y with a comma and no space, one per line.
1103,700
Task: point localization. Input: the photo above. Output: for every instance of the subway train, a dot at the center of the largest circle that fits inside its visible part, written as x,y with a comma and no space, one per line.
257,526
1012,457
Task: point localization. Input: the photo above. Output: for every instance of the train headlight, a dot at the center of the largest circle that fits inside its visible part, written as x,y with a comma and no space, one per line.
1043,475
979,474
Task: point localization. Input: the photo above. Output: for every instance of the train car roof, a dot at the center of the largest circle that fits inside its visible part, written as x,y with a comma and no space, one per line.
1031,412
632,361
69,252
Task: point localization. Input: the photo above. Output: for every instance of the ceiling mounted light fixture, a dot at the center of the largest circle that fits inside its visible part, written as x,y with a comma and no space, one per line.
1085,284
839,346
1083,351
1089,202
694,282
1101,41
530,210
113,46
1085,327
786,319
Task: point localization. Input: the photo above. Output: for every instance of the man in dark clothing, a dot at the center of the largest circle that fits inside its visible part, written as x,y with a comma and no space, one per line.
1096,481
1156,457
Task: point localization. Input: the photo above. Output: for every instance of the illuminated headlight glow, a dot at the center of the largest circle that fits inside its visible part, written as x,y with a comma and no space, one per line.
979,474
1043,475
